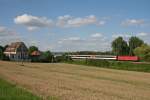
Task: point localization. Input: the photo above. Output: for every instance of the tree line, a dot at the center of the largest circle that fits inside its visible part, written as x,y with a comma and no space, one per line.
135,46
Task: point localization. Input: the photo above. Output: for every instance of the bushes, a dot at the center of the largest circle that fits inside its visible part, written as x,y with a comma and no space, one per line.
99,63
3,56
143,52
132,66
91,62
120,65
46,57
62,58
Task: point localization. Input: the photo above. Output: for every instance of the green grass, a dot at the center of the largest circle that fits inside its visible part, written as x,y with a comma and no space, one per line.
120,65
12,92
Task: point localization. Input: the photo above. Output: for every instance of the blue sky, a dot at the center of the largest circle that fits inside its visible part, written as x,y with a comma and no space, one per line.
73,25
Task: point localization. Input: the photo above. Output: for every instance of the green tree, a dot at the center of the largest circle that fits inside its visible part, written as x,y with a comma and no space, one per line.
2,55
5,47
1,52
120,46
46,56
143,52
134,42
31,49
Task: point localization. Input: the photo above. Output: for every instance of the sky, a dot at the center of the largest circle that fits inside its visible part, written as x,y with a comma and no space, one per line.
73,25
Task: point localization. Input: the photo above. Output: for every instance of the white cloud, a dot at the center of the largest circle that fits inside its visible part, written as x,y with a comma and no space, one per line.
142,34
76,22
70,39
62,21
66,21
96,35
102,22
70,21
133,22
83,44
74,38
122,35
4,31
8,35
33,22
125,35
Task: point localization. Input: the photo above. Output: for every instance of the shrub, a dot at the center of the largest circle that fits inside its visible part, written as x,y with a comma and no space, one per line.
99,63
63,58
120,65
46,57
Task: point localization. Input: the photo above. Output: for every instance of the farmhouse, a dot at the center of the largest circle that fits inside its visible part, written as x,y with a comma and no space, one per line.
17,51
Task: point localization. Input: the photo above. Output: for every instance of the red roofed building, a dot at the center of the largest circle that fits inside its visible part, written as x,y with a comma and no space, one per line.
35,56
36,53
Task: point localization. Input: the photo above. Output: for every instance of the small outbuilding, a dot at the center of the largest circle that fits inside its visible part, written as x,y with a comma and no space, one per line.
36,53
35,56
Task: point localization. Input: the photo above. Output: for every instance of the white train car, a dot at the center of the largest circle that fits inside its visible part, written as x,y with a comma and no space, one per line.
102,57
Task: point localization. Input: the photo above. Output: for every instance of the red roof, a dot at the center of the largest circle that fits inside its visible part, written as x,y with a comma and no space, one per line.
36,53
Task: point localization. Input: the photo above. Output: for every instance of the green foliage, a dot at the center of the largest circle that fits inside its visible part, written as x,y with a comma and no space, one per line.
31,49
35,58
143,52
63,58
12,92
120,65
120,47
99,63
59,59
134,42
131,66
46,57
1,52
147,57
2,56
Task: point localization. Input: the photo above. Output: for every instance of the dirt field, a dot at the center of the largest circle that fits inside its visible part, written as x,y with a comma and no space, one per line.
77,82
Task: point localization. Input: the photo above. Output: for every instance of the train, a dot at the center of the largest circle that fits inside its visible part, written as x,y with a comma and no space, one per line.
106,57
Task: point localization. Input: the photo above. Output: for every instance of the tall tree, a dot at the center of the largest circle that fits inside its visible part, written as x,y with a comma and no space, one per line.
31,49
1,52
134,42
120,46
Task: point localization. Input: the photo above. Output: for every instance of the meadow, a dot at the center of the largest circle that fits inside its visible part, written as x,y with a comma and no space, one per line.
13,92
61,81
